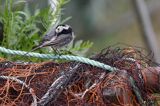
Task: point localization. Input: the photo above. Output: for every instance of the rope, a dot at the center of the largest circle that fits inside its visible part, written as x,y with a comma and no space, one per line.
66,57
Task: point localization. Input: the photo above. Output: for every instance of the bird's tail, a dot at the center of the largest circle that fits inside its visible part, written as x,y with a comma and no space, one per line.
35,48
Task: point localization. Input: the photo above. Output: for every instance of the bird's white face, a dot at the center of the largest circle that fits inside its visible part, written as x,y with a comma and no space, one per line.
61,28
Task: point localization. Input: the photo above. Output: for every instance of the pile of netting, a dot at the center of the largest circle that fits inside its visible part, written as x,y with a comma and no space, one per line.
76,84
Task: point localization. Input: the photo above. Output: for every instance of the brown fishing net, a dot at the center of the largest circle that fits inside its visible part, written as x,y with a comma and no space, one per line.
77,84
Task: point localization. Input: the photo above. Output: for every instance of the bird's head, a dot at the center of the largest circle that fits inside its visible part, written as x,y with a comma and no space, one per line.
63,29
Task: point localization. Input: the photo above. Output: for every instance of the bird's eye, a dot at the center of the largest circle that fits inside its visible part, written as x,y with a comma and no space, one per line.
59,29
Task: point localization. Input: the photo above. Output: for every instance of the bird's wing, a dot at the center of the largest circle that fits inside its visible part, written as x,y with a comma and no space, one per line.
47,40
50,33
61,41
48,37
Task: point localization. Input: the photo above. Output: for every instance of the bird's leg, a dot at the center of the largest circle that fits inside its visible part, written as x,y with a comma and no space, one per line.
65,51
56,51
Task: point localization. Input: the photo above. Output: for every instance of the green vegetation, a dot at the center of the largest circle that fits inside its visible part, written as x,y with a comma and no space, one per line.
23,29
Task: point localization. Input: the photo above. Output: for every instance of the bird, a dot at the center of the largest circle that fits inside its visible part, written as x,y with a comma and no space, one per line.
58,37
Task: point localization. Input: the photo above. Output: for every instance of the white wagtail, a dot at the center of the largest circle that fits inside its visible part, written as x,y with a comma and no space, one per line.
58,37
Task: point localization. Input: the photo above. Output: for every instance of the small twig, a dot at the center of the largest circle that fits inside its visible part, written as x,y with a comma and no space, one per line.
82,94
57,87
93,85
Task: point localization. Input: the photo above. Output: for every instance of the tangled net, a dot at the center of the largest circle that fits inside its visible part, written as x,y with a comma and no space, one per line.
72,83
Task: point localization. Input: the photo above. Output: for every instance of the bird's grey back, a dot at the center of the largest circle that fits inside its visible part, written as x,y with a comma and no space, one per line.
61,41
49,35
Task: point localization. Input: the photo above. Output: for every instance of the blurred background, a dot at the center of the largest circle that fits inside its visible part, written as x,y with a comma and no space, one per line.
108,22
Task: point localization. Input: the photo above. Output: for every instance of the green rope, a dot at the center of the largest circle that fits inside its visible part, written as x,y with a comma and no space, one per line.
66,57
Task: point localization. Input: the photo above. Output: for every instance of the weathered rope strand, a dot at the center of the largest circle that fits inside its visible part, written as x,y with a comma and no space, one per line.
66,57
